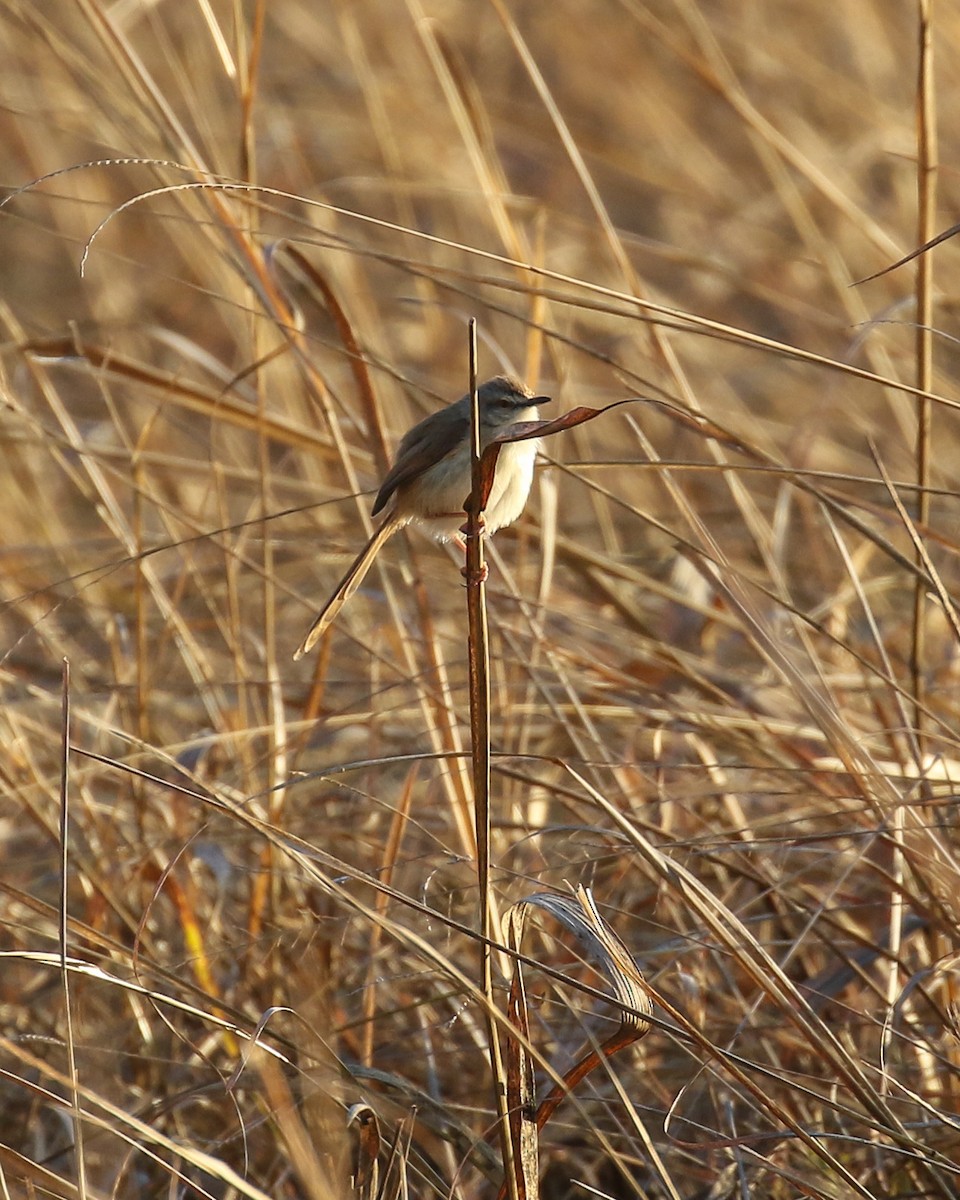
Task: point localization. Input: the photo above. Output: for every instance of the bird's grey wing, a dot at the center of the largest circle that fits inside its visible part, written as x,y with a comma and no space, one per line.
421,448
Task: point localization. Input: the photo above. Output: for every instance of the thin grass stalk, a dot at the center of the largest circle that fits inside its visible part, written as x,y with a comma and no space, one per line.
249,64
923,348
141,656
264,884
479,667
923,343
64,922
321,1169
436,698
391,853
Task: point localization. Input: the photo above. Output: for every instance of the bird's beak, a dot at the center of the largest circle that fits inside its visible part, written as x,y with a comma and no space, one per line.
540,400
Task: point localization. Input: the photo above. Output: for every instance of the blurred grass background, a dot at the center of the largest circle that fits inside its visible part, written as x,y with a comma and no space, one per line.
706,618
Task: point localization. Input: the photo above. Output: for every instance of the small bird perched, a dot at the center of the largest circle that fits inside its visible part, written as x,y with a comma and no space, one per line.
431,478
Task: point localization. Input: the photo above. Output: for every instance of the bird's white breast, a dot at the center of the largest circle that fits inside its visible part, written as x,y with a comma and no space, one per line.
511,484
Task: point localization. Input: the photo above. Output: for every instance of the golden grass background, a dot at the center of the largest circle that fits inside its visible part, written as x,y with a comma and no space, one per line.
701,629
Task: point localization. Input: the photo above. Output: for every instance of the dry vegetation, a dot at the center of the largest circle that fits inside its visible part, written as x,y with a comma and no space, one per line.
723,654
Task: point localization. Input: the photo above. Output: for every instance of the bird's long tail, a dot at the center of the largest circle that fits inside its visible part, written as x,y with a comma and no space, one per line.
348,585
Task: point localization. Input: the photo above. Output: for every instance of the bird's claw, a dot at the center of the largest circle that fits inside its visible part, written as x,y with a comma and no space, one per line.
481,578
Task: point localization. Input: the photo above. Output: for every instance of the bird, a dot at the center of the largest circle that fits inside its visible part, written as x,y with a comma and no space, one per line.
430,480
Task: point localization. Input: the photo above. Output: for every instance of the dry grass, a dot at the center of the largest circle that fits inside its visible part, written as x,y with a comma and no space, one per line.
703,699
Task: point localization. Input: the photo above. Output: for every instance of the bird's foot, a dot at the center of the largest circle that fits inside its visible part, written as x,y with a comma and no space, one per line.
481,578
